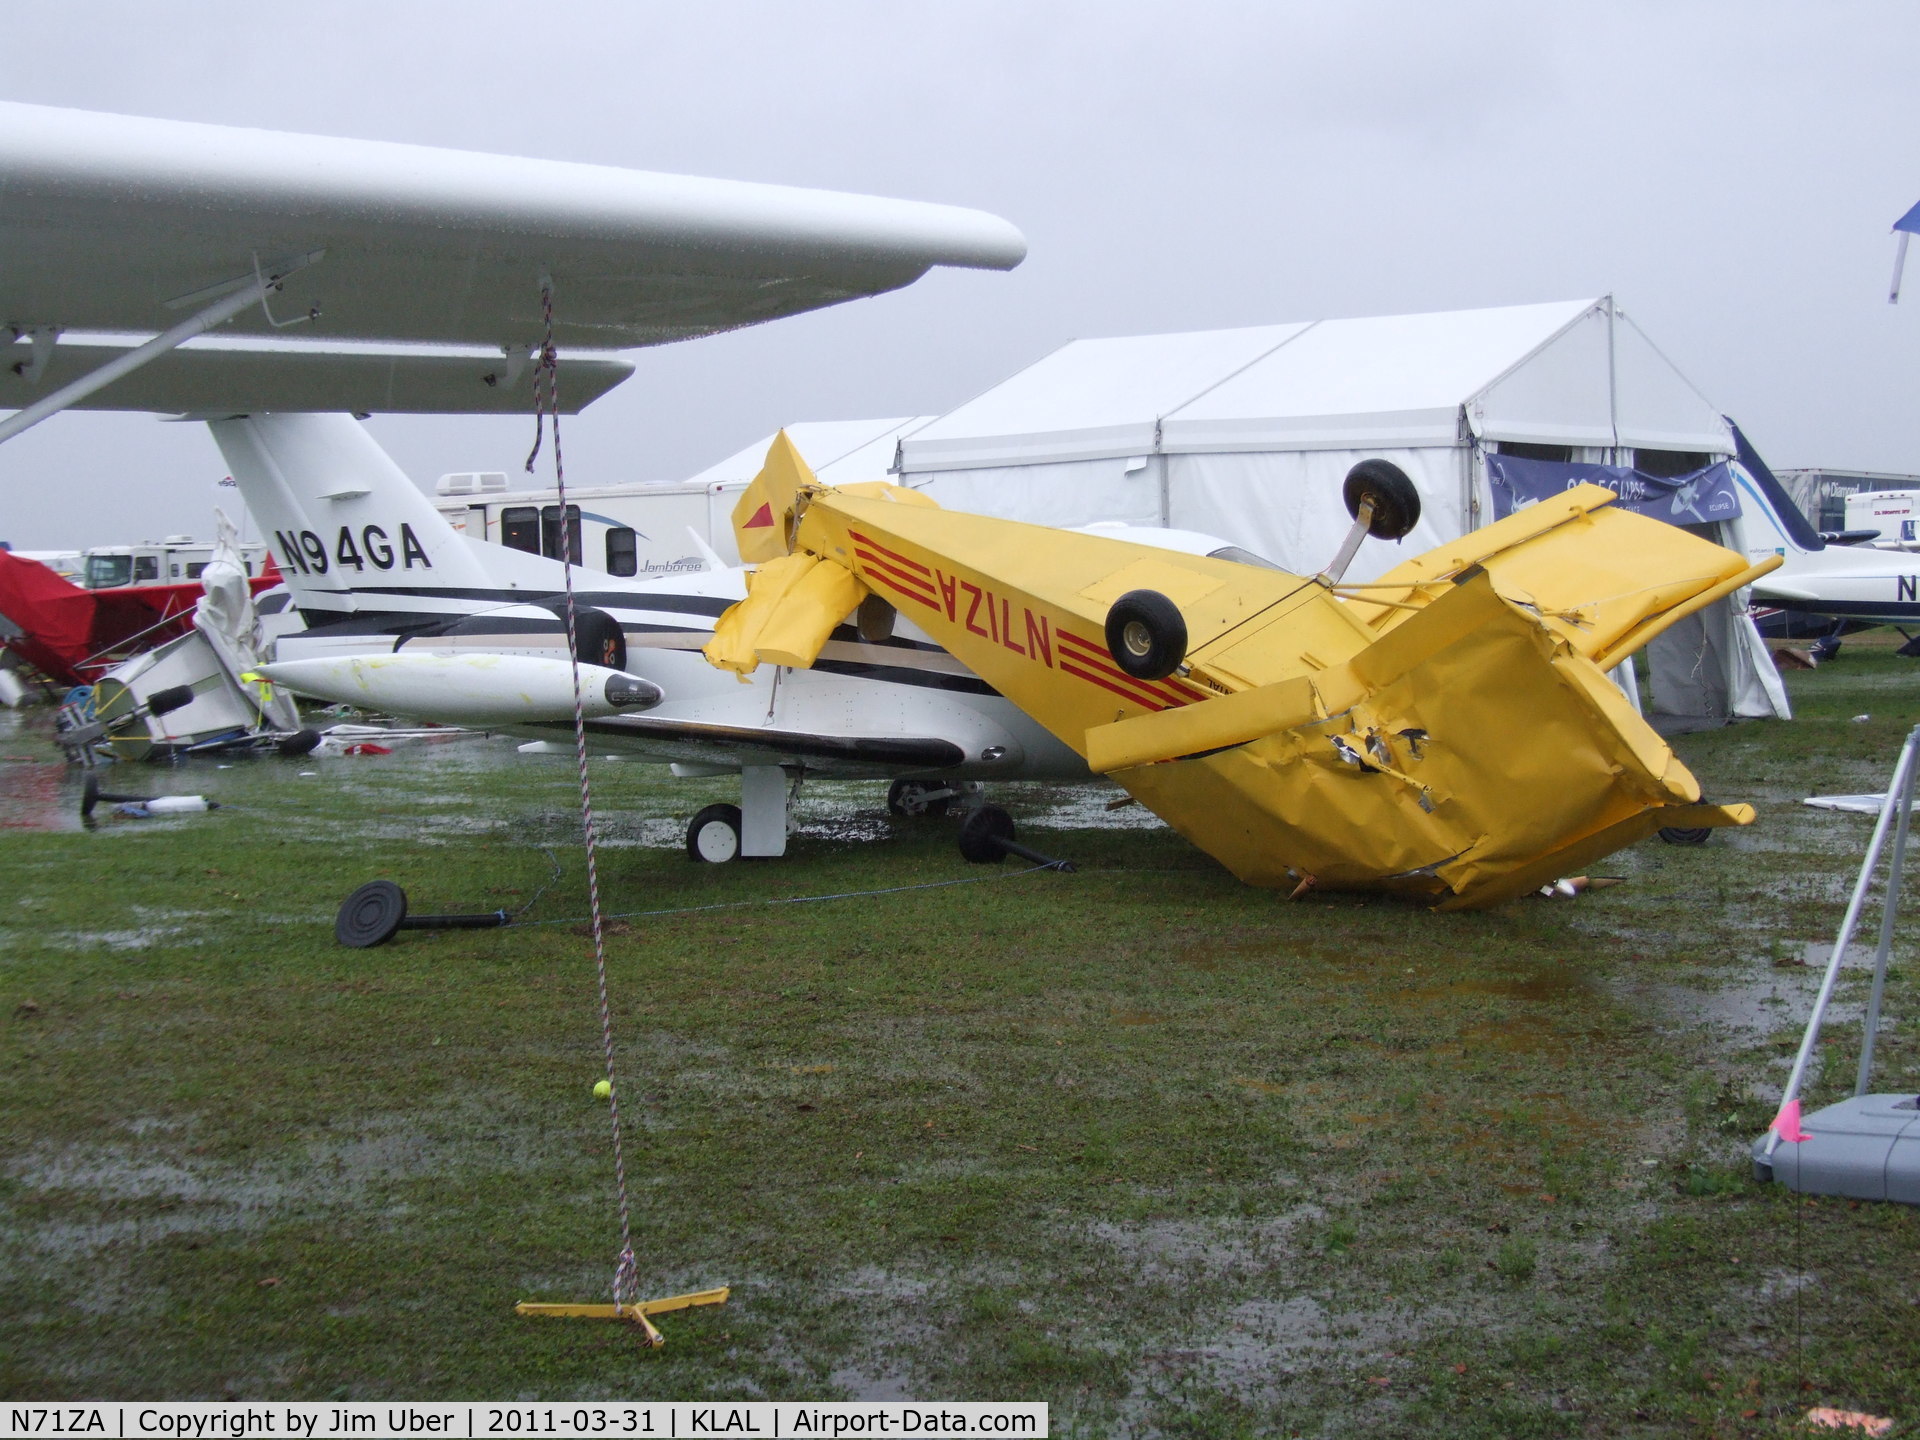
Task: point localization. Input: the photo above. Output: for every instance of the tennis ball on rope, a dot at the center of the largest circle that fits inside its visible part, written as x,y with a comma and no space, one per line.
603,1089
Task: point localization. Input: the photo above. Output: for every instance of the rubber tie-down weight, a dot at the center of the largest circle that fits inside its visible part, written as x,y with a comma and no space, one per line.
986,838
372,914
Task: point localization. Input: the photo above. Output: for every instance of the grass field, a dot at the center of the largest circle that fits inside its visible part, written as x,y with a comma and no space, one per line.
1177,1156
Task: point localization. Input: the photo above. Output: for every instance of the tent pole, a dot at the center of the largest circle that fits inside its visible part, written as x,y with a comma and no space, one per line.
1870,1026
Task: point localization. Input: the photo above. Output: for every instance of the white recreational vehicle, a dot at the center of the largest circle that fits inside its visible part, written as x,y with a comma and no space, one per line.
1893,516
649,529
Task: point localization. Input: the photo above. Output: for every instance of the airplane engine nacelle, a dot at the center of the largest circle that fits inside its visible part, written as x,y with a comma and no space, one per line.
466,689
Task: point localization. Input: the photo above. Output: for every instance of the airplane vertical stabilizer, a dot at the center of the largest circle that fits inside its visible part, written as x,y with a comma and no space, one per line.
348,528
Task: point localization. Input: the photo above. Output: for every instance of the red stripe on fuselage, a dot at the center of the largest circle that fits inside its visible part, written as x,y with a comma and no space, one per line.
875,563
1098,660
899,589
871,543
1151,703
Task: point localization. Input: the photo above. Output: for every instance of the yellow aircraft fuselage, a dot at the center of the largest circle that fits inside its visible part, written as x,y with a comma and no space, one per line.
1447,732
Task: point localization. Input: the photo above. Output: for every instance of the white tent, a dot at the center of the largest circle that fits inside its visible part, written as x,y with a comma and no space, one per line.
1248,434
841,452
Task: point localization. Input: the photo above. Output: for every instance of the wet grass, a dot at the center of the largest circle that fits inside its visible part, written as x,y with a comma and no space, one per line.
1177,1156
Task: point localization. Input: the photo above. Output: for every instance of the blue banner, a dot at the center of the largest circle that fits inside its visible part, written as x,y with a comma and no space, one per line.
1701,498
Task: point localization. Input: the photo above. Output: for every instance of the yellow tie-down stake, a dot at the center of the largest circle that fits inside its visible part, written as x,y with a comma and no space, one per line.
1447,731
637,1313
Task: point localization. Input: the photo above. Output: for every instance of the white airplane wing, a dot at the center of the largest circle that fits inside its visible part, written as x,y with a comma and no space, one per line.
208,379
117,223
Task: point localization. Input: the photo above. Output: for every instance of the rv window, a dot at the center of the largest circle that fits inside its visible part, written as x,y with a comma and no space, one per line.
1527,450
106,571
196,568
623,551
550,532
1668,463
146,567
520,528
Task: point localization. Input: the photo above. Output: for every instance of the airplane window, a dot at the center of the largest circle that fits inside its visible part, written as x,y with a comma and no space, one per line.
1241,557
146,567
106,571
623,551
520,528
273,604
1668,463
550,532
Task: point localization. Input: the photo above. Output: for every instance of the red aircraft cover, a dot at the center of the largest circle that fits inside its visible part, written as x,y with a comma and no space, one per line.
73,634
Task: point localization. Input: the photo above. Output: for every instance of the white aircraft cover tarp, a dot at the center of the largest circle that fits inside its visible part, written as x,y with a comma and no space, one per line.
125,224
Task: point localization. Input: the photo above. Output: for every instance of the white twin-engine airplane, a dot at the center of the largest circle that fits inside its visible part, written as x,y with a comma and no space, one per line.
404,614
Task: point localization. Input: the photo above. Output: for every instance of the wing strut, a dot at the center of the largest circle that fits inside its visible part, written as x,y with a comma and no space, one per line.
250,292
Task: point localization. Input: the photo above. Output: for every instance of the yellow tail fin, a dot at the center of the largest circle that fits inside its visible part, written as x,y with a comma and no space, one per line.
763,518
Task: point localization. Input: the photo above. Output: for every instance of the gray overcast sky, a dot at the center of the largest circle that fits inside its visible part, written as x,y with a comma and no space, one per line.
1728,170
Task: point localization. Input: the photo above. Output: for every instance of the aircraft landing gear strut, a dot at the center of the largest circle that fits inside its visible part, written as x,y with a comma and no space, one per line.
755,828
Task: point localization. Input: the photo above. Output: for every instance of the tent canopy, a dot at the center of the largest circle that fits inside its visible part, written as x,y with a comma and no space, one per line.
1574,372
841,452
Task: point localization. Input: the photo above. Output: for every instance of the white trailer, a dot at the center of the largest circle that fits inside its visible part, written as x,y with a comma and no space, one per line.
176,560
650,529
1894,516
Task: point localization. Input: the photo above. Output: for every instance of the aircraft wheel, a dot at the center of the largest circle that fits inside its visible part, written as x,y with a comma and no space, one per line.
370,915
1396,504
910,798
714,835
1685,834
301,742
599,640
981,834
1146,634
874,620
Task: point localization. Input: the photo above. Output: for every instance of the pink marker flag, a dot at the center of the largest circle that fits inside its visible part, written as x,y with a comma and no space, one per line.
1787,1123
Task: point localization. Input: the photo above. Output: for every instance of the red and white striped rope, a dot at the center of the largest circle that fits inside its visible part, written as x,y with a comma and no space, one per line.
546,402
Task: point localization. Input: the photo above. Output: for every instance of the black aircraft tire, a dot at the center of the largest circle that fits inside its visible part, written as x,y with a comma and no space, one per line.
165,702
874,620
1146,635
1396,503
981,834
1685,834
905,798
370,915
713,836
300,742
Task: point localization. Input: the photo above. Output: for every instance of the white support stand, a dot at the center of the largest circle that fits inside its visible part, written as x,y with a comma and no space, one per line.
1898,804
763,811
1866,1147
250,292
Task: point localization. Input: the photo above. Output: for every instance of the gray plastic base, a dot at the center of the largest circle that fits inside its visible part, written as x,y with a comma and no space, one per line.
1866,1147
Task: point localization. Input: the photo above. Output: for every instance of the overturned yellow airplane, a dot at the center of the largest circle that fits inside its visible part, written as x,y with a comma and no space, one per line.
1447,731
